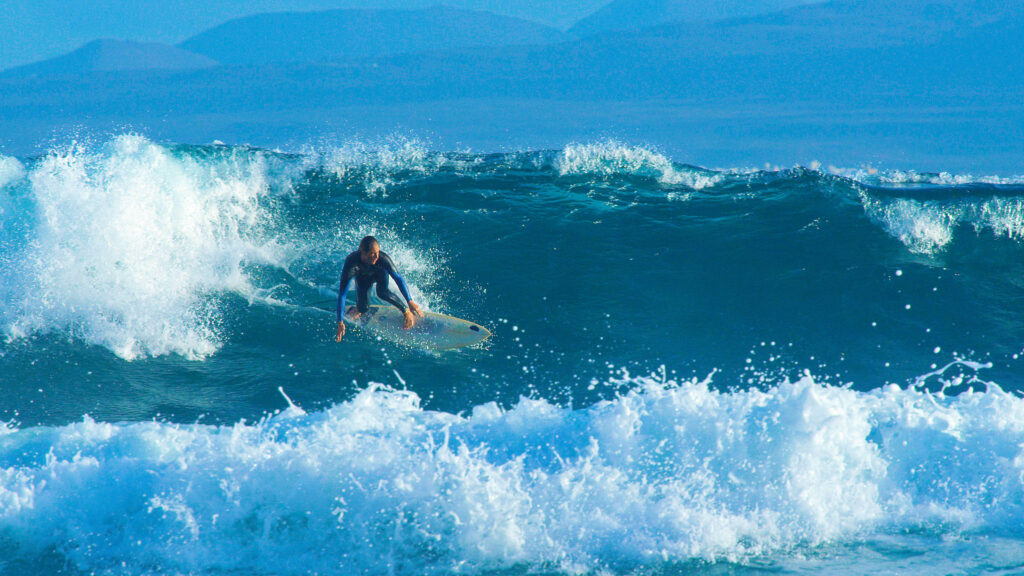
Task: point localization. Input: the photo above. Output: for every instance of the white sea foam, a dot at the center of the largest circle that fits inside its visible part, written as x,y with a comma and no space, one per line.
877,177
928,227
11,170
377,485
378,163
923,227
1004,216
131,240
615,158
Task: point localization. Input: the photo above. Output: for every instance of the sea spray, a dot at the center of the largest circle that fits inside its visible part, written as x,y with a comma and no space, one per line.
913,178
130,241
378,165
923,228
11,170
615,158
668,471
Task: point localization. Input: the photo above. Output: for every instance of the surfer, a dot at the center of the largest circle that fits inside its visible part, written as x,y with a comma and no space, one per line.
368,265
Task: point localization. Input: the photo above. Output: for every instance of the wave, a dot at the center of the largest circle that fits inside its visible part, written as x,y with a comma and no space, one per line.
128,240
383,163
130,245
666,472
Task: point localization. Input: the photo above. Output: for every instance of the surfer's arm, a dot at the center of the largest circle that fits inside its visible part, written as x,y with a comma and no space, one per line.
346,281
401,284
413,307
390,266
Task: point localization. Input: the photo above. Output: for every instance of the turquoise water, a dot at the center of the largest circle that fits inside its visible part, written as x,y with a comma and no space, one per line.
809,370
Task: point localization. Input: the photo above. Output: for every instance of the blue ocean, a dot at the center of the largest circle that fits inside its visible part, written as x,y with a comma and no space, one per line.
693,370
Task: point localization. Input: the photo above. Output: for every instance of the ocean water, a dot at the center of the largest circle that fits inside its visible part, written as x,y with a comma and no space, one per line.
805,370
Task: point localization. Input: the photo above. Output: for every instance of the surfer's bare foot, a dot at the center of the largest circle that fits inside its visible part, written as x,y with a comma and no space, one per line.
410,320
353,313
341,332
415,308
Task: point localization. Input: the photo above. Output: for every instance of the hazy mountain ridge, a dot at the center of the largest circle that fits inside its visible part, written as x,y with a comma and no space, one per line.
819,28
624,15
34,30
361,34
303,37
108,55
654,65
353,34
829,43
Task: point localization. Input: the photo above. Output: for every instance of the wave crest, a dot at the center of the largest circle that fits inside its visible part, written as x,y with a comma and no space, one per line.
131,240
381,164
897,178
928,227
615,158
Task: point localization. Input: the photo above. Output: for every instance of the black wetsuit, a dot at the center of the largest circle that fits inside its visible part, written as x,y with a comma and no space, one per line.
365,276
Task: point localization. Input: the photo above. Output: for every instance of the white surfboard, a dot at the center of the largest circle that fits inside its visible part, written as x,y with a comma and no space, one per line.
434,331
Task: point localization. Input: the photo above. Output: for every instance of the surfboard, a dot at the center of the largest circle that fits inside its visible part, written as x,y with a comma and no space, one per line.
434,331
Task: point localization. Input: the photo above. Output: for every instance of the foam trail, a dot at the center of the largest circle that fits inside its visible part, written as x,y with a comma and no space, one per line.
131,240
667,472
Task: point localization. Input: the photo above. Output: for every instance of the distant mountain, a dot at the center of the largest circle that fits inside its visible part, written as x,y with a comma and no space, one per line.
844,51
355,34
638,14
33,30
815,30
844,18
115,55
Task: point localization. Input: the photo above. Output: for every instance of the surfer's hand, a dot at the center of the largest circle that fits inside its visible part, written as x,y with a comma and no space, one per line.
415,308
341,332
410,320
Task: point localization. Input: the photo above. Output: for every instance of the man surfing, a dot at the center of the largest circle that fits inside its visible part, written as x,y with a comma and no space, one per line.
368,265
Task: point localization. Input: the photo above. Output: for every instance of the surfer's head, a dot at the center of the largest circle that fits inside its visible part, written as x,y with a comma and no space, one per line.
369,250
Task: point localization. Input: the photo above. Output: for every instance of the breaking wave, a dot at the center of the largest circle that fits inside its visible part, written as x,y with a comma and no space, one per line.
666,472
